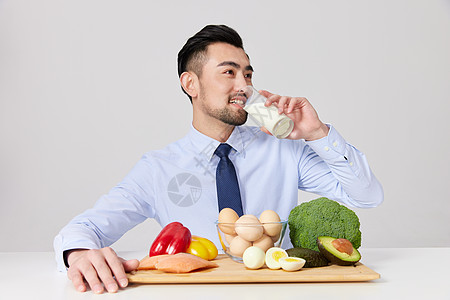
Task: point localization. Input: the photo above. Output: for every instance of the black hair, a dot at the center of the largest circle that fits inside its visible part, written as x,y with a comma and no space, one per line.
193,54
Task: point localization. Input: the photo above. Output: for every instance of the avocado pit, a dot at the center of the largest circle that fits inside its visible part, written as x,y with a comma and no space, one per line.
343,245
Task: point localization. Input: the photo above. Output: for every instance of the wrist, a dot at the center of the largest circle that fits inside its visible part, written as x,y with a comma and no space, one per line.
319,133
69,256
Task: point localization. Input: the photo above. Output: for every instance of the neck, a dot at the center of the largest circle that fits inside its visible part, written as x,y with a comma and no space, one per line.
213,128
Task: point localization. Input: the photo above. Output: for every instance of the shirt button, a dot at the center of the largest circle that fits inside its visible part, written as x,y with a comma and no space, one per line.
335,144
326,148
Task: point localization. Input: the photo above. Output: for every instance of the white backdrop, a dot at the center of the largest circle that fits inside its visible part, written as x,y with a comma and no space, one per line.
87,87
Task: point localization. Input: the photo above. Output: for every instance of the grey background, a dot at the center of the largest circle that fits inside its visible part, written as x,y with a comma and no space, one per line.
87,87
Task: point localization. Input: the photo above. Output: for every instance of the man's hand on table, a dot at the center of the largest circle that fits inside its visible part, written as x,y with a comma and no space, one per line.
98,266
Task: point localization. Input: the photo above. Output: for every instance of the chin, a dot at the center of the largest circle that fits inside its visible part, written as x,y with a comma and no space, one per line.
230,117
239,120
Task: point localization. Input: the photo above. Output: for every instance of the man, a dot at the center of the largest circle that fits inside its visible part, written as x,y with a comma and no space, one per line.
213,67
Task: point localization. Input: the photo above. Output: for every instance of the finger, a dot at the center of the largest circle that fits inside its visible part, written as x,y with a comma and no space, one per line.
77,280
265,93
105,275
130,265
293,103
282,103
127,266
273,99
90,274
116,265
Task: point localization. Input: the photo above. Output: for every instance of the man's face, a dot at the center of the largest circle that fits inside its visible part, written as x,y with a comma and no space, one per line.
226,71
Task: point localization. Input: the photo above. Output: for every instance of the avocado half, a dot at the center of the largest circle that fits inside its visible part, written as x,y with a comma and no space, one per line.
344,255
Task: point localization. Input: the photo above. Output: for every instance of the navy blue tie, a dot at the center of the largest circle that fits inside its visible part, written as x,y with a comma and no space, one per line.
228,193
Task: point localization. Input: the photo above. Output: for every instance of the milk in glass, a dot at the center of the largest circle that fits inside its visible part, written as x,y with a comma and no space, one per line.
279,125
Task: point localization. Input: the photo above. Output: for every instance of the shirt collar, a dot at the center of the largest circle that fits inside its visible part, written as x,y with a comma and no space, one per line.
206,145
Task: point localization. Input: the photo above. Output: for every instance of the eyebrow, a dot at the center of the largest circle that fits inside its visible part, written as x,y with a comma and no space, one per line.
235,65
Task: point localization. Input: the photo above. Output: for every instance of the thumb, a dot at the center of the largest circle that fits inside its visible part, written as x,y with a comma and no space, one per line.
263,129
130,265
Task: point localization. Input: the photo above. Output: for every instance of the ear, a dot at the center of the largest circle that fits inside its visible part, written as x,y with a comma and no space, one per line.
189,81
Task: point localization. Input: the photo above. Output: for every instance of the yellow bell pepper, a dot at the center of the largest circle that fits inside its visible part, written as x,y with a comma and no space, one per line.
202,247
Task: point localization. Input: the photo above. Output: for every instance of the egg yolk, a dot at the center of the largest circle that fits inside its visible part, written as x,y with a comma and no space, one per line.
276,255
290,259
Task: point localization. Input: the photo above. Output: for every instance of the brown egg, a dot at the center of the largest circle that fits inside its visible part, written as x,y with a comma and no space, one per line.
229,237
269,216
229,216
249,228
265,242
276,237
238,245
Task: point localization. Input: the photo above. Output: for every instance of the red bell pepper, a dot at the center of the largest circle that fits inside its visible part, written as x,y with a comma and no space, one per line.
172,239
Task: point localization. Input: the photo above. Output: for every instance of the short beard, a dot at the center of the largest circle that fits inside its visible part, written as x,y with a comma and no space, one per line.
225,115
234,119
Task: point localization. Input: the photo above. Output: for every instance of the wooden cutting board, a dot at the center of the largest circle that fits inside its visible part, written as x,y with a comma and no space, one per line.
230,271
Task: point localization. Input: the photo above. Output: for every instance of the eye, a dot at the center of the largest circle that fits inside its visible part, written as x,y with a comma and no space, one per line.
230,72
249,75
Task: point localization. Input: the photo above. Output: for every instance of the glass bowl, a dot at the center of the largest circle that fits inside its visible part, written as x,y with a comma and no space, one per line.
235,238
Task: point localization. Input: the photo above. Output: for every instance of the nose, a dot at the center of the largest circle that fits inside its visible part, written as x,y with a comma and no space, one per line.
240,82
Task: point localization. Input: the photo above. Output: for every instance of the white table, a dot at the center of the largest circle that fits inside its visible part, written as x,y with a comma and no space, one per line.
408,273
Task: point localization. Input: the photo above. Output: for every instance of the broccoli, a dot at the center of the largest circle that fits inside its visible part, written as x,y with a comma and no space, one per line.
322,217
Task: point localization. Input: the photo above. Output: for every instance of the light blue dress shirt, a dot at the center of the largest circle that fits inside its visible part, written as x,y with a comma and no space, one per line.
178,183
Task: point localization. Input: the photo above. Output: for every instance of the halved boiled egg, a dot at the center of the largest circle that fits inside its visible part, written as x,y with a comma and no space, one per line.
291,263
273,256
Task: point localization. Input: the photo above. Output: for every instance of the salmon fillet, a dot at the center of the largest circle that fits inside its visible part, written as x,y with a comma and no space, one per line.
149,263
183,263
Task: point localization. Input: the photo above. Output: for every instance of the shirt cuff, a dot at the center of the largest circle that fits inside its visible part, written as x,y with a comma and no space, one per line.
60,247
331,147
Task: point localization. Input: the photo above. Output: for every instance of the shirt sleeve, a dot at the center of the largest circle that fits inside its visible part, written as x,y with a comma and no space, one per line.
125,206
335,169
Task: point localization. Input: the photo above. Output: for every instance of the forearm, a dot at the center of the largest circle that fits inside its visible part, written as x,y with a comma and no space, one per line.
125,206
100,226
345,173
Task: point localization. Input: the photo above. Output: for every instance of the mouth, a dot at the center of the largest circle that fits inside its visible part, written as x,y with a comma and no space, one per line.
239,100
